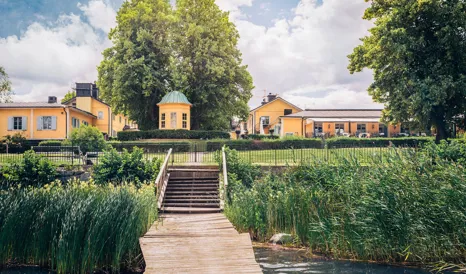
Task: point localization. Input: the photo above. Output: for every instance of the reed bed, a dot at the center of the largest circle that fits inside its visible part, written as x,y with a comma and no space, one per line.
408,207
77,228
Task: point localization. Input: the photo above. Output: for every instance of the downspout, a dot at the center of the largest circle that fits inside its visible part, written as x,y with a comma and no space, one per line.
302,127
66,123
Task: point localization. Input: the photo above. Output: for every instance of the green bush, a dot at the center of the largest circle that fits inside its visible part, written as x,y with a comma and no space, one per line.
406,208
31,170
50,143
264,144
172,134
261,136
404,141
161,147
88,138
118,167
76,228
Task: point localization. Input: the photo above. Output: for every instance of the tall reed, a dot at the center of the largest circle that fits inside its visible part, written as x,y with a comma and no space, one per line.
405,207
77,228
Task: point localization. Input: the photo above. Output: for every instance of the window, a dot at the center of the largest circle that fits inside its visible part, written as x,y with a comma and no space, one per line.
74,122
339,128
288,112
47,122
17,123
100,115
361,128
85,123
185,120
163,120
173,119
318,128
265,120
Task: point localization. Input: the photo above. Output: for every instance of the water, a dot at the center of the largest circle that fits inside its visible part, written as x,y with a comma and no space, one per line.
25,270
294,261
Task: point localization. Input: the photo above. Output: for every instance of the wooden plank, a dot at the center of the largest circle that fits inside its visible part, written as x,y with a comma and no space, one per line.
197,243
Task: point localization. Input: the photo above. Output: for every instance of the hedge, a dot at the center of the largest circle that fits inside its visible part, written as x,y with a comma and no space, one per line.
378,142
261,136
153,147
172,134
50,143
268,144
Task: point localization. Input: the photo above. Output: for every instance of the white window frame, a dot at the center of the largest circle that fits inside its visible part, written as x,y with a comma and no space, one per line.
47,120
74,122
20,126
100,115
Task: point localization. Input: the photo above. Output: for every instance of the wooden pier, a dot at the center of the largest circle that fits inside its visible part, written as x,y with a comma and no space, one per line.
197,243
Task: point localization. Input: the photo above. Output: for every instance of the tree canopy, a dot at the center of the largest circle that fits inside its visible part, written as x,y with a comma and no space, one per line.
68,96
5,87
157,49
417,52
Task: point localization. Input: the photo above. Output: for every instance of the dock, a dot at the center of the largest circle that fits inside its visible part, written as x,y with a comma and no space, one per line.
197,243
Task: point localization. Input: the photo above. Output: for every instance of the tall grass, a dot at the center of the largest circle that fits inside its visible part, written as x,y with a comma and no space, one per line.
406,207
77,228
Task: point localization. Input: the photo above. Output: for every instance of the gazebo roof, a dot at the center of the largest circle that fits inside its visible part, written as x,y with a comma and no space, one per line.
174,97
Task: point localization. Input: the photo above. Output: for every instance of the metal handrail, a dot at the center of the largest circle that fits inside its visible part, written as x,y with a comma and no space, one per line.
162,179
224,179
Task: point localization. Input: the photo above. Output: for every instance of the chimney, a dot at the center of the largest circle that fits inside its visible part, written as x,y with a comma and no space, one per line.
271,97
52,100
263,102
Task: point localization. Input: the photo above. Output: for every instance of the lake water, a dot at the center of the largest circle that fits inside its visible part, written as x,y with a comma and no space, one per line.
294,261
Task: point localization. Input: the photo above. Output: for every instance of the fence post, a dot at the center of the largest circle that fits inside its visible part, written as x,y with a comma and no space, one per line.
275,153
195,153
72,155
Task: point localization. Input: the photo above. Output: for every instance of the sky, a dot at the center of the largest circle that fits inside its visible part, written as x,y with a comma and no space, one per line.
294,48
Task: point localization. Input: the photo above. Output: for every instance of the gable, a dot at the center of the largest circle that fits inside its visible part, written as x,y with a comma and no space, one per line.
277,105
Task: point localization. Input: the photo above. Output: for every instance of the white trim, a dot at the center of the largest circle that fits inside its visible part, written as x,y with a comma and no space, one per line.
278,98
31,123
282,130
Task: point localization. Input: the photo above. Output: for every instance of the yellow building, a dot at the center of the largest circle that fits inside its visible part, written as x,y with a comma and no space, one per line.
174,111
336,122
266,117
54,121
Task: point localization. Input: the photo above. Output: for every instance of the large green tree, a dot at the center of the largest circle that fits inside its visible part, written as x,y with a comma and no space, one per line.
209,68
5,87
68,96
136,72
417,52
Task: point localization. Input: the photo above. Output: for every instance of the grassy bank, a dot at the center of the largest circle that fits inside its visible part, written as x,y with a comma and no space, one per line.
407,207
77,228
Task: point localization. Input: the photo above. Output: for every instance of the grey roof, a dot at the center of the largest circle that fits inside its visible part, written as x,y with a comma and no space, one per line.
174,97
338,113
31,105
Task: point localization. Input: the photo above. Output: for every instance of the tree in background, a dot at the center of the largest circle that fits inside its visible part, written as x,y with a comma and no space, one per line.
68,96
417,51
209,68
5,87
192,49
137,71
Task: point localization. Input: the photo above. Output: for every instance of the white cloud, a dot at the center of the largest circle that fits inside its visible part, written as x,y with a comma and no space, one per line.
308,52
233,6
47,59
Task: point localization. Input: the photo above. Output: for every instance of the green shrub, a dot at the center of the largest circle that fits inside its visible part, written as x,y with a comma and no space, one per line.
404,141
261,136
50,143
76,228
31,170
161,147
172,134
406,208
88,138
264,144
242,170
118,167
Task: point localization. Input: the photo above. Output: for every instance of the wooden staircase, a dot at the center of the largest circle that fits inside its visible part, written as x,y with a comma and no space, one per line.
192,189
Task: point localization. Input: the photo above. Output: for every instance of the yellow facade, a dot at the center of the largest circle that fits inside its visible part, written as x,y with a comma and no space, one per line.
33,125
273,110
298,126
174,116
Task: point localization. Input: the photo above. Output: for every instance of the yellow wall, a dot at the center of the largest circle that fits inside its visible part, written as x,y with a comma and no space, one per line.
81,117
179,109
292,125
32,115
84,103
274,110
101,124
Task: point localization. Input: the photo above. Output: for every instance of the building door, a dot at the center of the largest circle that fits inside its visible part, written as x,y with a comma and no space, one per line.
173,119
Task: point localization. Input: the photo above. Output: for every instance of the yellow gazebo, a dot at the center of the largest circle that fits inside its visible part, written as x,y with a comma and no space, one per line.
174,111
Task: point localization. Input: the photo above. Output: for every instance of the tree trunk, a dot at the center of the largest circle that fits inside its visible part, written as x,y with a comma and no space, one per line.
442,132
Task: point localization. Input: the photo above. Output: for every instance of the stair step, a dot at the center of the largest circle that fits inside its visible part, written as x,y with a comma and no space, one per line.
192,191
193,183
192,197
174,200
196,205
193,170
193,179
169,187
192,210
